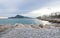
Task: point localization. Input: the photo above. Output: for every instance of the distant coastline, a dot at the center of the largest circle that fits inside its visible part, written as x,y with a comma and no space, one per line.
3,17
18,16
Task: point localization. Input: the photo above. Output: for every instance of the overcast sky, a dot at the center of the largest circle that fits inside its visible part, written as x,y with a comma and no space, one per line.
31,8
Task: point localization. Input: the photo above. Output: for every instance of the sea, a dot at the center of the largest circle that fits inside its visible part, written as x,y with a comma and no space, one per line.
20,21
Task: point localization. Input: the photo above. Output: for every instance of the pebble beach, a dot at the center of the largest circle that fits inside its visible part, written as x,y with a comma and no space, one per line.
29,31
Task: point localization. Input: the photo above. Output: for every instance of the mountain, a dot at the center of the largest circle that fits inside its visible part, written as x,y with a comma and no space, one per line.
18,16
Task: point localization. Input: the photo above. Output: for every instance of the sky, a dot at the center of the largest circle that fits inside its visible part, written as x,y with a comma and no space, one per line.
30,8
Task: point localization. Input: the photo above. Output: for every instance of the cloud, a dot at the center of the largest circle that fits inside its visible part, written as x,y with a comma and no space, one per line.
43,11
38,12
51,7
11,3
31,8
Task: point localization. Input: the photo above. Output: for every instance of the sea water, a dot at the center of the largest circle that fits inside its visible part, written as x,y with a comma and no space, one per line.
20,21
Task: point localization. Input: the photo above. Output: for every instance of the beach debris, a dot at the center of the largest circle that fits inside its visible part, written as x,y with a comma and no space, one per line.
20,26
41,25
35,26
4,27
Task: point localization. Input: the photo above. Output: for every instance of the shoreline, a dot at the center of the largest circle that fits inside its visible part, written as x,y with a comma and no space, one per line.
55,20
31,26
